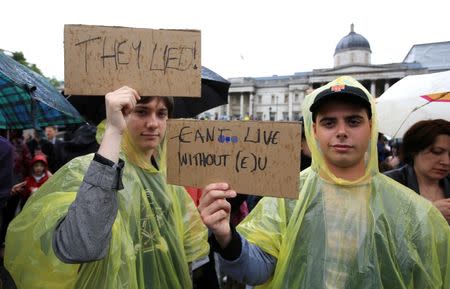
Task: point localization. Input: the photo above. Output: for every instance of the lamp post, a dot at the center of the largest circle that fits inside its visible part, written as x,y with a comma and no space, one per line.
270,113
276,103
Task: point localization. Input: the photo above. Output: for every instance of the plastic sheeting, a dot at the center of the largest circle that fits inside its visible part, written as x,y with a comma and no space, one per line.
370,233
157,232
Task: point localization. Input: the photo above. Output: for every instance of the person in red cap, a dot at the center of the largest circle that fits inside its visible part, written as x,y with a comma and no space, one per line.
39,174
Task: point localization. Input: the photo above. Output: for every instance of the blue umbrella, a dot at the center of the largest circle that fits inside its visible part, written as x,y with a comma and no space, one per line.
29,100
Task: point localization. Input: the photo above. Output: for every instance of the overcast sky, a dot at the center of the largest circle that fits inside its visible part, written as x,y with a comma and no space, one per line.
239,38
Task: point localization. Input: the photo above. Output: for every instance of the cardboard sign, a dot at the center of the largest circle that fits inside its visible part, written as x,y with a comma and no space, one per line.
256,158
100,59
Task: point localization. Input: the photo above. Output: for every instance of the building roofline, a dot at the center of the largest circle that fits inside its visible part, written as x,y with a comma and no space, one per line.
423,44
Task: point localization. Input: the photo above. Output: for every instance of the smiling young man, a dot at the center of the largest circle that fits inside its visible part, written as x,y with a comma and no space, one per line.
110,220
351,227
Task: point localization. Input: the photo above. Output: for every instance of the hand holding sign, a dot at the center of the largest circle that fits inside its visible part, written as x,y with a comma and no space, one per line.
119,104
215,211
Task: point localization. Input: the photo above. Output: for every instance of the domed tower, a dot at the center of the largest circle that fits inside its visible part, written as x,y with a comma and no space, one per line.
352,49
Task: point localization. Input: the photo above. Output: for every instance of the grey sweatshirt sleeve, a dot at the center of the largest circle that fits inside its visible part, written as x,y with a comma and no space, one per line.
252,267
84,234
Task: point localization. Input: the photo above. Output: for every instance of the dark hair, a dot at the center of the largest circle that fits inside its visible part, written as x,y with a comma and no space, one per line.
168,102
302,125
422,135
354,102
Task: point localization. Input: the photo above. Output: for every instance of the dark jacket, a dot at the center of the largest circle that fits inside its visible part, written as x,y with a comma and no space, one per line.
6,168
407,176
82,142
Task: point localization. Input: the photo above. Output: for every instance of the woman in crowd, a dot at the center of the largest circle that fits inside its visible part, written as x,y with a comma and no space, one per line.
426,154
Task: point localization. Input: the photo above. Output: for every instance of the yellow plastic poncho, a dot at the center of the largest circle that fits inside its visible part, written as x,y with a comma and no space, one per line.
369,233
156,233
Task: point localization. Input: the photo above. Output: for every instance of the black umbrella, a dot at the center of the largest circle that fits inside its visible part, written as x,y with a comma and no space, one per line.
214,93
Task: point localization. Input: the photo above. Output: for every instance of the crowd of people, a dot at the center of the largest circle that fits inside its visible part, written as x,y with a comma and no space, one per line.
370,213
32,158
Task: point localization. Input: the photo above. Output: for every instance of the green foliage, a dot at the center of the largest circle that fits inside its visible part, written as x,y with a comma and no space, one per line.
55,82
19,57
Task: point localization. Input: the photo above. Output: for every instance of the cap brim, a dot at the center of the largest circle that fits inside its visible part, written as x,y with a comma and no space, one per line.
351,94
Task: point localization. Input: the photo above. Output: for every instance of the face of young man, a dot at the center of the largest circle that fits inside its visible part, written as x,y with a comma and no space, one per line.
343,132
147,124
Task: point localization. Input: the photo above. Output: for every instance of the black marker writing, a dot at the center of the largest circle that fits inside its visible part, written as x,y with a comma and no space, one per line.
268,137
177,58
199,135
119,52
122,52
138,49
85,49
202,159
115,54
244,160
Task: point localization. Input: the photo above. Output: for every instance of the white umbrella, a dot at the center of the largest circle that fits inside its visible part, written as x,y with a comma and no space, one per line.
411,99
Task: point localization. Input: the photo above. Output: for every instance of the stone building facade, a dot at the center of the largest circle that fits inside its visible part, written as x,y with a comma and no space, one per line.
280,97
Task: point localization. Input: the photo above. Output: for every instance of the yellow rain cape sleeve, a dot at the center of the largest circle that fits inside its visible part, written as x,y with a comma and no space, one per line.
370,233
157,232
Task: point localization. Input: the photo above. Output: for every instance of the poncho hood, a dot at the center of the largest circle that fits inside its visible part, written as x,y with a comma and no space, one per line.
318,162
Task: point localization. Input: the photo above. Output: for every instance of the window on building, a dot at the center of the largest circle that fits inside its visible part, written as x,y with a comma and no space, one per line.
296,97
285,115
286,98
259,98
259,116
273,98
272,116
296,115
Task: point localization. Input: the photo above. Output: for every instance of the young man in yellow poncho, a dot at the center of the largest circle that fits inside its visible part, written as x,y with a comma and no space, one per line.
110,220
351,226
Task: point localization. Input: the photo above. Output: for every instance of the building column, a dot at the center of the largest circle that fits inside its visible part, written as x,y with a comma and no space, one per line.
276,108
241,112
373,88
290,105
386,84
250,104
229,106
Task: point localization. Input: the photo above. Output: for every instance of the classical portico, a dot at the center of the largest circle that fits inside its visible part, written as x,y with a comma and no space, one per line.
240,101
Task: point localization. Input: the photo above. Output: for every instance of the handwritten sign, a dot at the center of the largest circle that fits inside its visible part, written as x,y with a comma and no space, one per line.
100,59
256,158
